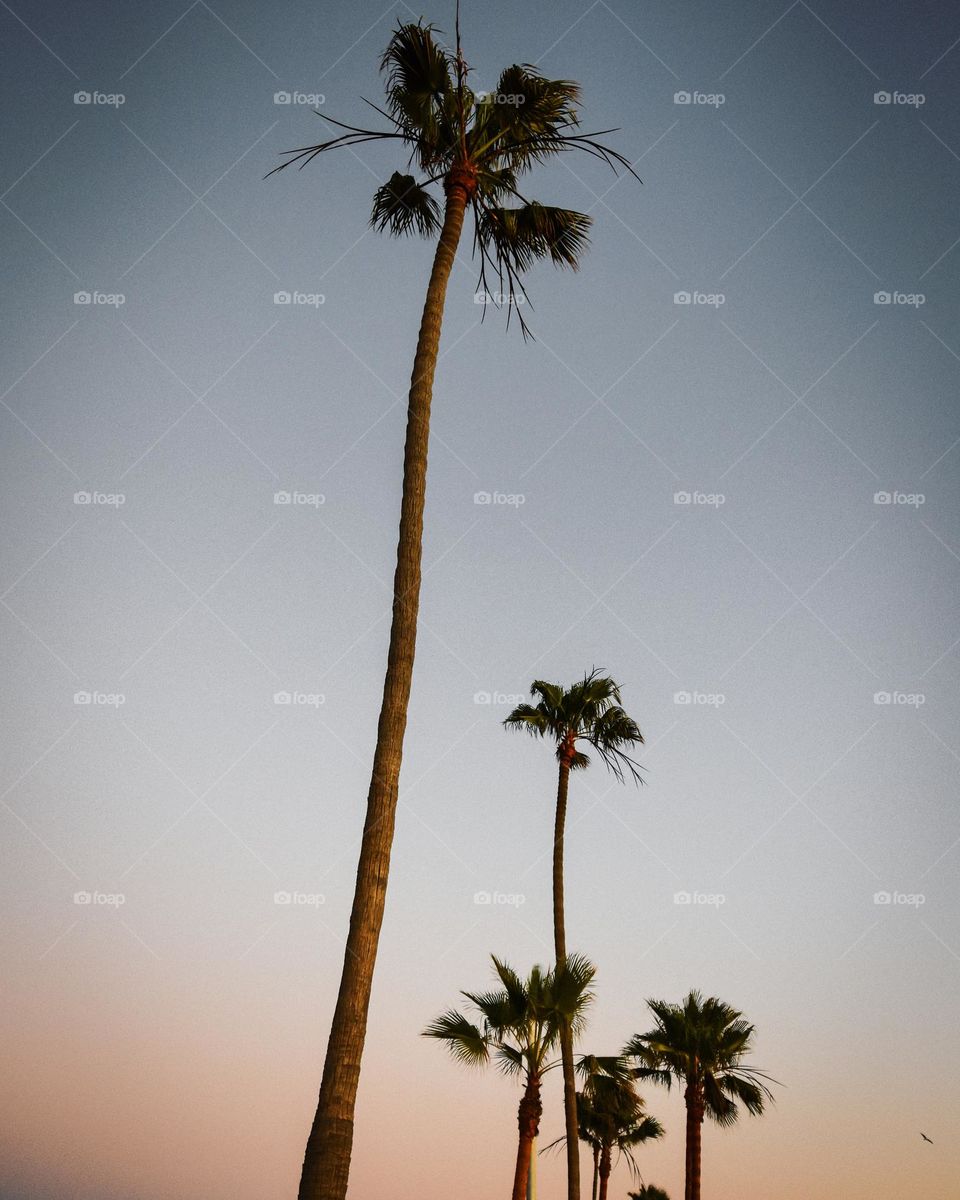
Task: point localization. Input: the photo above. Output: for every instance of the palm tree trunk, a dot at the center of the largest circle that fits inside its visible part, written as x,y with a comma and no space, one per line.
604,1171
560,945
596,1171
528,1123
532,1176
326,1164
696,1131
688,1170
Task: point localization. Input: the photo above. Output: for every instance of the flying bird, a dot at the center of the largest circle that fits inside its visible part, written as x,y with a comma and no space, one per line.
925,1138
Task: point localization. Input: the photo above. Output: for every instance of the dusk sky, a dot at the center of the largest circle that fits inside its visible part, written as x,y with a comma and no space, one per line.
724,470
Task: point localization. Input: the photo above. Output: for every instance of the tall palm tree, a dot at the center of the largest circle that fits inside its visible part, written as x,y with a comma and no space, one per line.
702,1044
590,712
476,149
519,1028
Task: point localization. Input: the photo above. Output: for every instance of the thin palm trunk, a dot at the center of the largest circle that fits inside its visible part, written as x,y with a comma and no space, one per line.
560,945
688,1147
532,1176
596,1171
605,1166
696,1132
528,1123
326,1164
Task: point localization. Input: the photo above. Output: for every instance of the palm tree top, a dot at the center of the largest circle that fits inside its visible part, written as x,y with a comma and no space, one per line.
703,1041
520,1021
589,711
479,142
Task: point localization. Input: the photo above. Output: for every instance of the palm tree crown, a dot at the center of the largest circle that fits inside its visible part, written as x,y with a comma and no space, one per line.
703,1043
480,142
590,711
519,1023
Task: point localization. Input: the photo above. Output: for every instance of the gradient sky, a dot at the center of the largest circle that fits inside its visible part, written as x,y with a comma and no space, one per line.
171,1046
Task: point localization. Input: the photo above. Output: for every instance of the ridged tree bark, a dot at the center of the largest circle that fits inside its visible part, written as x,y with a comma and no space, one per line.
604,1172
596,1171
696,1131
567,750
326,1164
528,1123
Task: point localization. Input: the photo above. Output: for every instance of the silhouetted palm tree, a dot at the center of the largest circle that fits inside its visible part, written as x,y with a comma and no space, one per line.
649,1192
590,712
701,1043
475,148
520,1028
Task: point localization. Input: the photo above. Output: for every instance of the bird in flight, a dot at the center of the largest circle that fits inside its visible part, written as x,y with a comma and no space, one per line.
925,1138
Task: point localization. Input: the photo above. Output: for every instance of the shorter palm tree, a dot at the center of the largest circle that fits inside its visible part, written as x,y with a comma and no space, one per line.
701,1043
610,1116
519,1028
649,1192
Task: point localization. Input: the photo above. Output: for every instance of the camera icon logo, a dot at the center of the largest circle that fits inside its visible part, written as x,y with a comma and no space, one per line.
482,498
82,697
81,97
881,297
882,498
282,698
682,698
282,98
482,898
681,297
681,97
881,97
682,497
681,897
282,898
82,897
482,698
881,897
281,297
82,297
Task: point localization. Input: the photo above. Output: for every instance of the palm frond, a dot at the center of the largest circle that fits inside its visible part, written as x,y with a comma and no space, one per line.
402,206
518,237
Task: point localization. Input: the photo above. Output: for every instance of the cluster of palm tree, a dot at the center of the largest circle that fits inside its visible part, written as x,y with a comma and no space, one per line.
476,149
